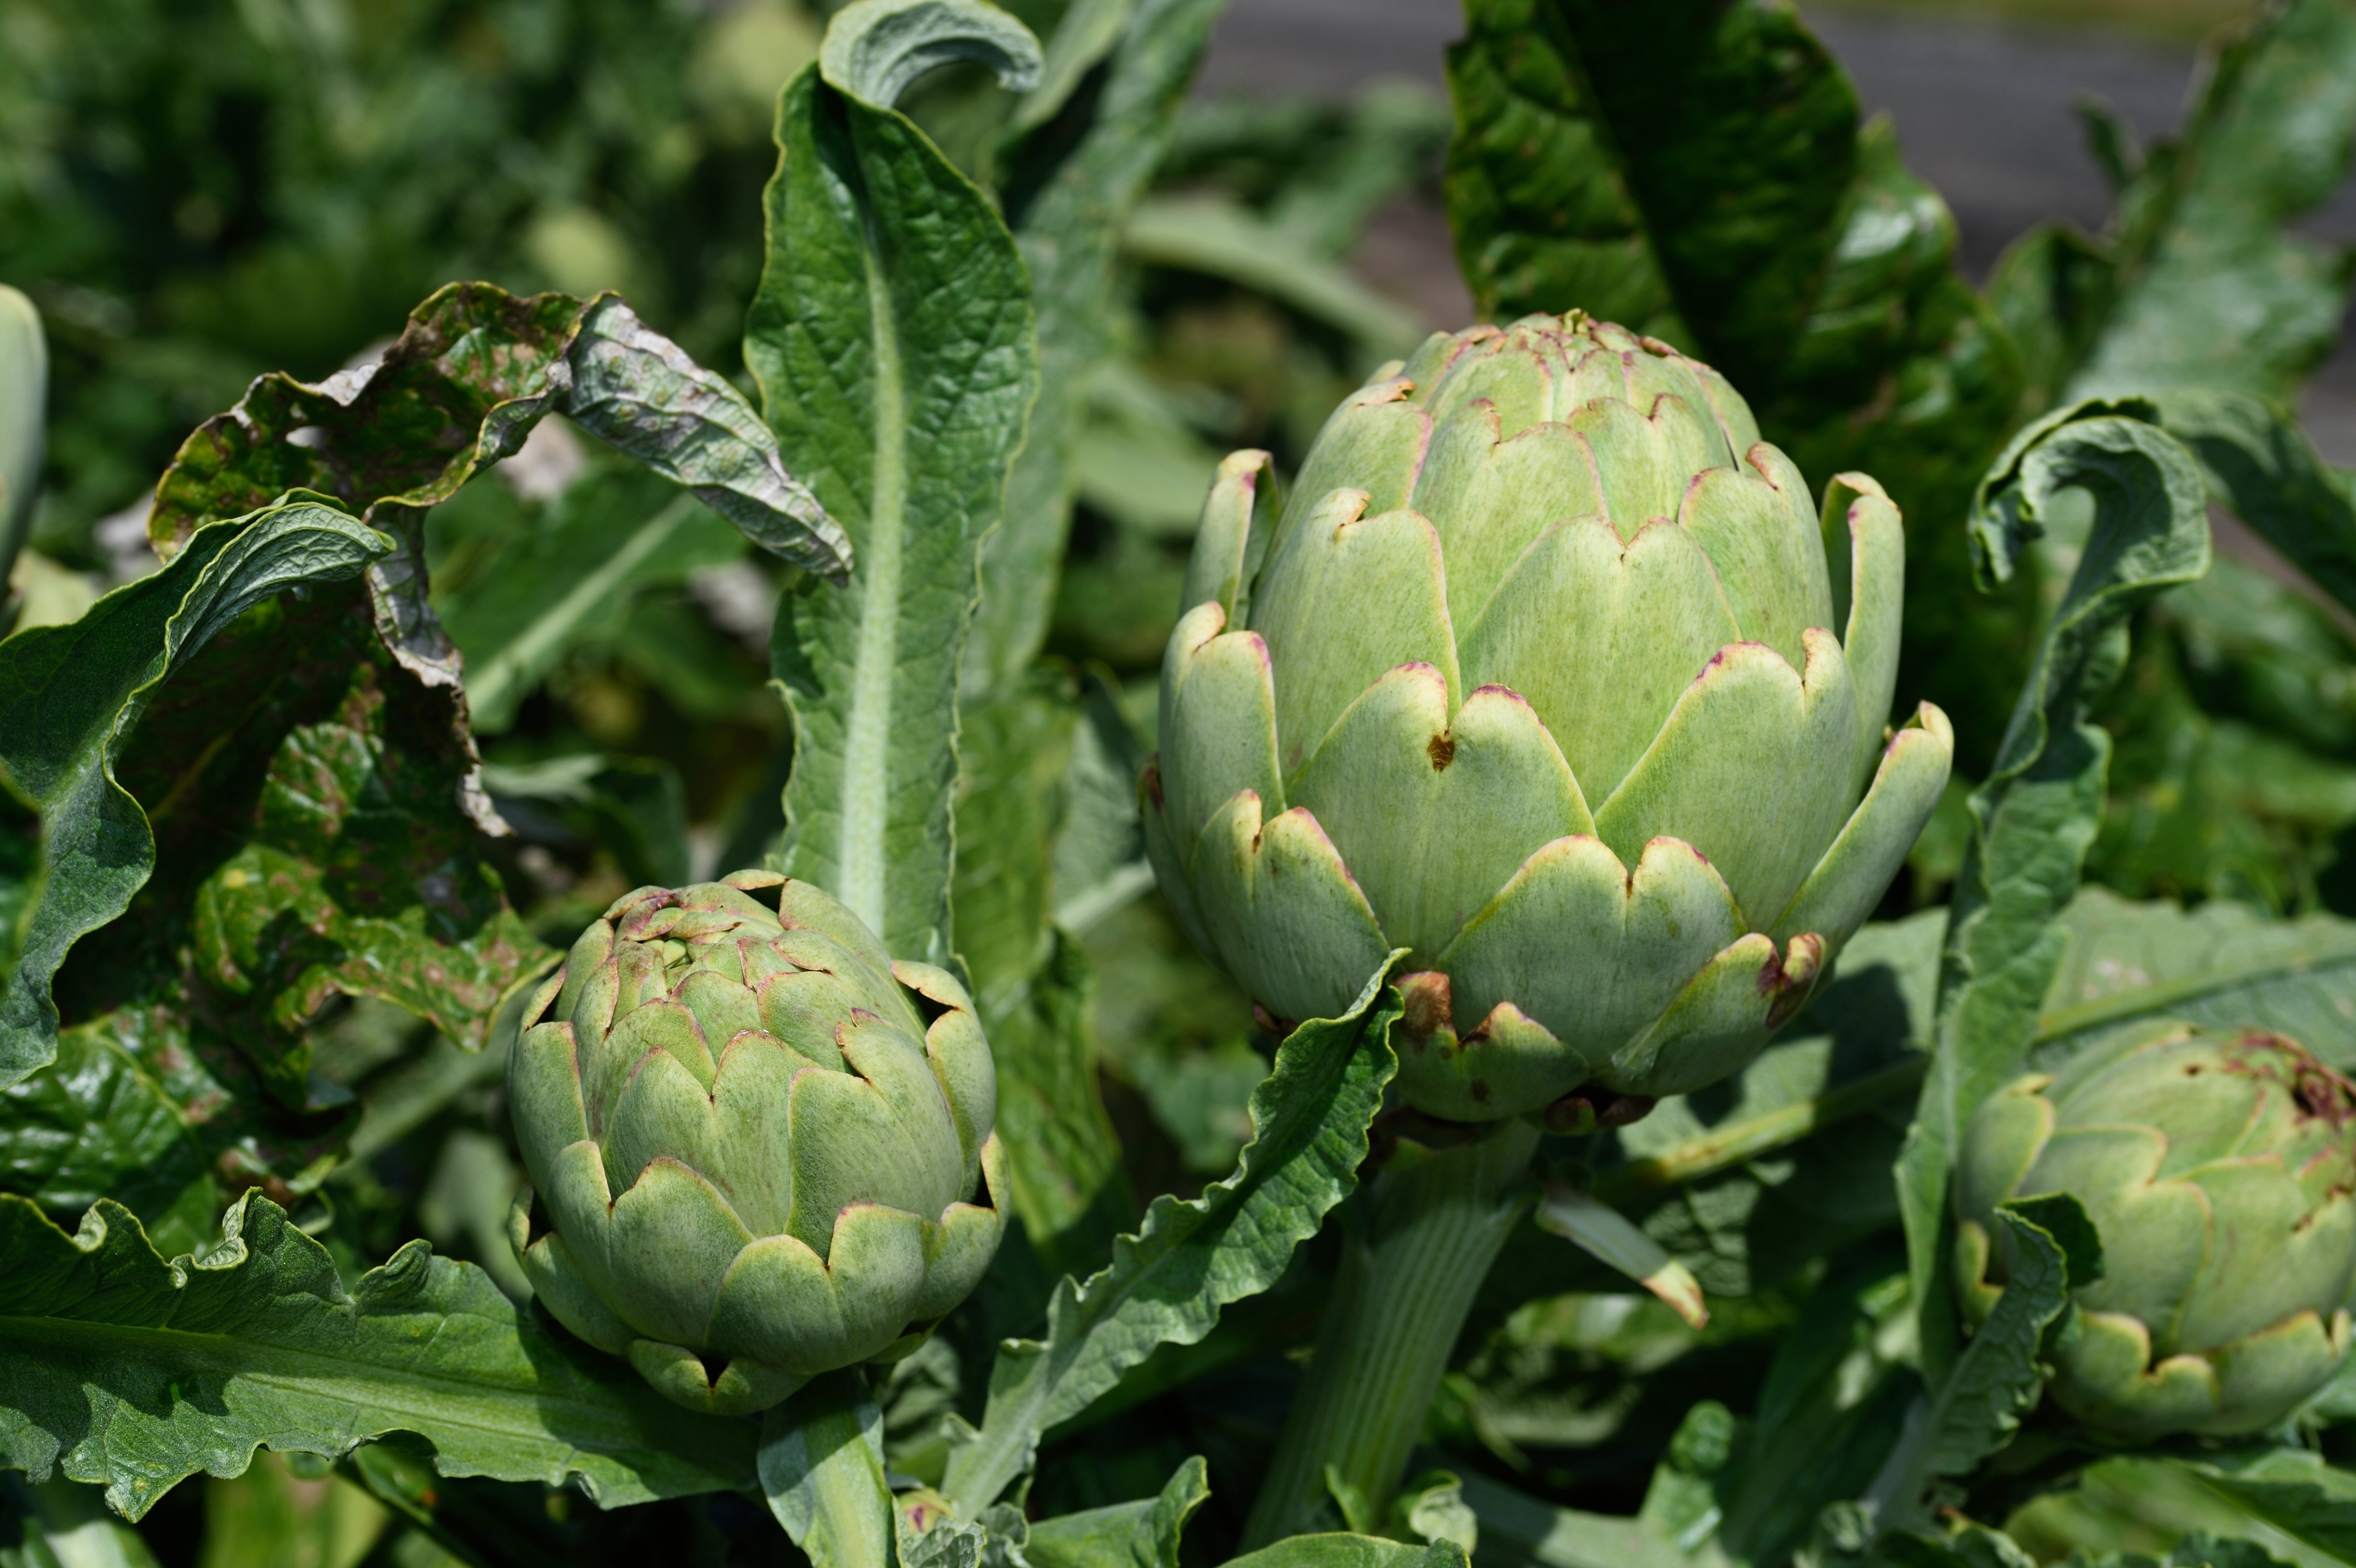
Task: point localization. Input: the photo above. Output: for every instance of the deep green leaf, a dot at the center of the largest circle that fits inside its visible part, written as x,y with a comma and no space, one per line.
2210,291
1099,862
1714,142
70,695
1188,1260
136,1372
147,1128
1032,982
892,337
309,799
1061,1148
1537,196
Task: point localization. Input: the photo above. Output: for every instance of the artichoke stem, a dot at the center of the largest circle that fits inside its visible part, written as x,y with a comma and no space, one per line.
1410,1272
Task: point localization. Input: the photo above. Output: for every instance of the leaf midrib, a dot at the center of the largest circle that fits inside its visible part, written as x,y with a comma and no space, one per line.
865,809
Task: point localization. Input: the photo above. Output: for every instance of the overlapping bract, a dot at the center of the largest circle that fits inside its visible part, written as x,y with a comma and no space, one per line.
759,1138
1534,678
2220,1171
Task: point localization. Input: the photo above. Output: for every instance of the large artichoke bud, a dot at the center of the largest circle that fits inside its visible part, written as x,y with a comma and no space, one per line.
2217,1169
759,1139
1533,678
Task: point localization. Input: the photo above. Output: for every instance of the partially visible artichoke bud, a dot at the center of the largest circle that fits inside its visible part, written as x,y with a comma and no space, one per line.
2217,1169
23,393
1536,679
759,1139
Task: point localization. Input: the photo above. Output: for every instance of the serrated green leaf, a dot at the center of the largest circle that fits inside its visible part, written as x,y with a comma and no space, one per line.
1977,1406
130,1371
892,336
1169,1282
2037,812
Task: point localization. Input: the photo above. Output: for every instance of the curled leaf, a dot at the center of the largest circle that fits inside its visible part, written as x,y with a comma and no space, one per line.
874,49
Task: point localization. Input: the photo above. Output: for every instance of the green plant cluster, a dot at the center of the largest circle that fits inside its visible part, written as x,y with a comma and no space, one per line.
585,974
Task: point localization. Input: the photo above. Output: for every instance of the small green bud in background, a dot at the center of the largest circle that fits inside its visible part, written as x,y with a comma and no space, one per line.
2220,1171
24,396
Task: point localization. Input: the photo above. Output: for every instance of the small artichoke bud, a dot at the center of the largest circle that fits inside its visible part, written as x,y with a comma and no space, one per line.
23,393
1543,676
2220,1171
765,1146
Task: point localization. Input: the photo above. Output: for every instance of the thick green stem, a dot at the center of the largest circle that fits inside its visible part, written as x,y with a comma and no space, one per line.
1409,1277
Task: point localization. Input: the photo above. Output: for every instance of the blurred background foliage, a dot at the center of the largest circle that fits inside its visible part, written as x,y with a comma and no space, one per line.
194,192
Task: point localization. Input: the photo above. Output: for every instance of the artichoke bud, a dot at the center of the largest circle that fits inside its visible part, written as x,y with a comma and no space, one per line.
24,391
1543,675
765,1146
2219,1170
